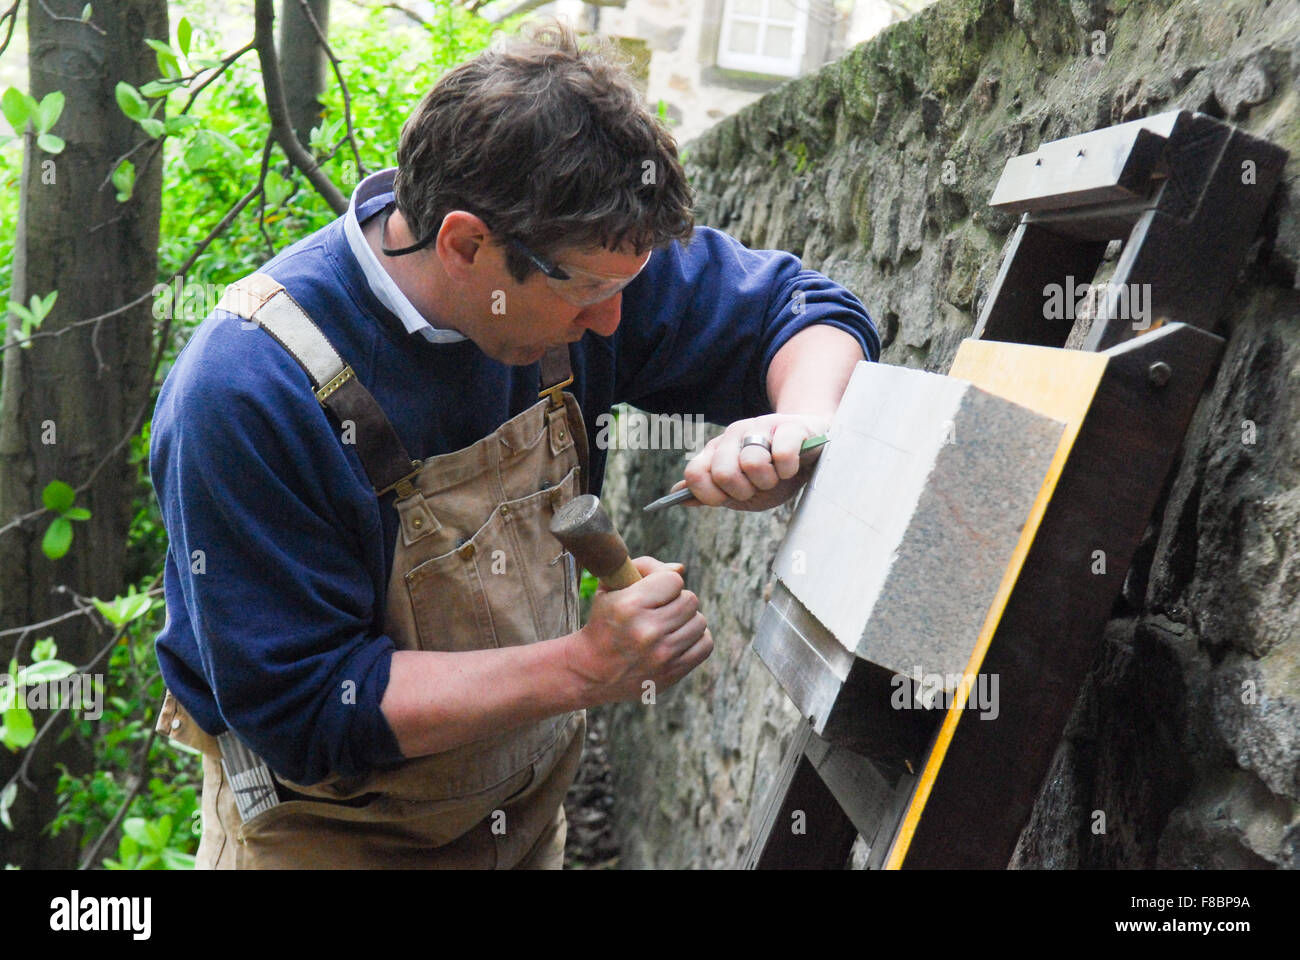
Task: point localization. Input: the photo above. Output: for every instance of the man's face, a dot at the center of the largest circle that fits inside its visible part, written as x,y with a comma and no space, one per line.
520,322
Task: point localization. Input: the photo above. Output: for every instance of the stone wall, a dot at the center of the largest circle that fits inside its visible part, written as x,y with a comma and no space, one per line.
877,171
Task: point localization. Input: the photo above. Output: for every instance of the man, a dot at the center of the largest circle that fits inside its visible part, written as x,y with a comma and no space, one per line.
371,634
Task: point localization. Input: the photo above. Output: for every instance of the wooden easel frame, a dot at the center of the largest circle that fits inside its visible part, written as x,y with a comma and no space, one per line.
1187,192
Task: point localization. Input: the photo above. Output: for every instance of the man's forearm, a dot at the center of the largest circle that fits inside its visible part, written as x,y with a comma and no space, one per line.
809,373
437,701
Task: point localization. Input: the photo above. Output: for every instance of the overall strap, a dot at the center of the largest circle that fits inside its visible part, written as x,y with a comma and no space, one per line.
556,374
260,299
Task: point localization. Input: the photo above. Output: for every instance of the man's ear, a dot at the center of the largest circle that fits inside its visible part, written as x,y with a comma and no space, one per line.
461,243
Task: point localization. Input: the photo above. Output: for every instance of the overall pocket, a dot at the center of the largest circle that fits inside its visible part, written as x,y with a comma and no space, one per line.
501,586
449,599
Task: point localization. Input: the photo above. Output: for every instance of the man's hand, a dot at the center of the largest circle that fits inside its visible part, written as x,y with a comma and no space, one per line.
652,630
749,478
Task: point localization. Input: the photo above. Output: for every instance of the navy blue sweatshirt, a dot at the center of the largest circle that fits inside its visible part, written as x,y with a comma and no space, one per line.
280,553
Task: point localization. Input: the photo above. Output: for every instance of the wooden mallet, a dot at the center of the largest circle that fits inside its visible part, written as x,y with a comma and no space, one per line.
584,529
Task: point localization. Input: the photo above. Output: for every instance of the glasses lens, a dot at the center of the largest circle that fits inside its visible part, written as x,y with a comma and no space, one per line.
585,289
585,293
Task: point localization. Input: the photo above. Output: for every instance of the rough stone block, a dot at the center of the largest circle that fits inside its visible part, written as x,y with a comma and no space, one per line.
901,538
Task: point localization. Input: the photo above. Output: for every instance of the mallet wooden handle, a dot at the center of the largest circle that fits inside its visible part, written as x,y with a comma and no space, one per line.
584,529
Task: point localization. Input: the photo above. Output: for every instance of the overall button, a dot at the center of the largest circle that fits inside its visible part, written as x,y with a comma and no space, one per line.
505,510
465,551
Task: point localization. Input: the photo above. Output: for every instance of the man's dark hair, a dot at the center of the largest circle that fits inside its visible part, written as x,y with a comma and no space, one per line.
548,143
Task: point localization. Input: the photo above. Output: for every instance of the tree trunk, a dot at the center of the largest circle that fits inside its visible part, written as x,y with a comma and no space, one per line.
303,64
81,390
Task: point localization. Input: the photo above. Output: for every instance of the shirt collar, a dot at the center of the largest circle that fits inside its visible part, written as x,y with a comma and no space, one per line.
373,194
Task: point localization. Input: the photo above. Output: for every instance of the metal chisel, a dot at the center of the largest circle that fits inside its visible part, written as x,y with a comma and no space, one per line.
684,494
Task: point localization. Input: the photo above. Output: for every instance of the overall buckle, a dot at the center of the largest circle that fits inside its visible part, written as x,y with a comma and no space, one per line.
403,485
554,392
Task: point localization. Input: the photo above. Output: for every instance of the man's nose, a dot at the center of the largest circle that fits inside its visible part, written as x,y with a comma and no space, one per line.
603,317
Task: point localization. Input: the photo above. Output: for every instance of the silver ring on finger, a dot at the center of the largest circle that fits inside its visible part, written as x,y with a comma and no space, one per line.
756,440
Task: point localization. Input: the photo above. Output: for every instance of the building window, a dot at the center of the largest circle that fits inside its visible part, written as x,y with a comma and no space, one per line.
763,36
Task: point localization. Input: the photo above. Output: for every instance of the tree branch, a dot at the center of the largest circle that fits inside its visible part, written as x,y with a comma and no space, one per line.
343,87
137,782
10,19
281,129
216,231
85,23
226,62
21,772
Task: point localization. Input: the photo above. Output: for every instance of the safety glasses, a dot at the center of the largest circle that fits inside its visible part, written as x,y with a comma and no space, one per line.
582,288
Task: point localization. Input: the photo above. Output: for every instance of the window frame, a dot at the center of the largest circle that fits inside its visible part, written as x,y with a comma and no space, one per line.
758,62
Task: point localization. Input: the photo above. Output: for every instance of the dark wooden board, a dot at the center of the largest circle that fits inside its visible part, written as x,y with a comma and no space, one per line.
987,785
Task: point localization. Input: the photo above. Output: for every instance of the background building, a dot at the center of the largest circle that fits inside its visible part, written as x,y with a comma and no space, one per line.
705,59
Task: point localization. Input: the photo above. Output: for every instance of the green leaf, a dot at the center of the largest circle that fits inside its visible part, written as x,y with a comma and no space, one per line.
136,606
122,610
155,128
168,65
178,123
322,137
15,108
21,312
128,849
137,828
58,496
77,513
173,859
50,143
57,539
277,188
183,34
19,729
158,88
47,114
231,148
129,99
124,180
7,797
45,649
200,151
207,63
85,13
48,303
45,671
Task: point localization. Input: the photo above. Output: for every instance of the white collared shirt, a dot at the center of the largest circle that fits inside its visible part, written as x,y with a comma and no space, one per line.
367,202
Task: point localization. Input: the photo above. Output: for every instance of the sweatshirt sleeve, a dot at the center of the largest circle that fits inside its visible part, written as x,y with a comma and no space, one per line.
704,320
264,512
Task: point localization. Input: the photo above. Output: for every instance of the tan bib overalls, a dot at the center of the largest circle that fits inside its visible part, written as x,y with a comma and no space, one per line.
474,567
